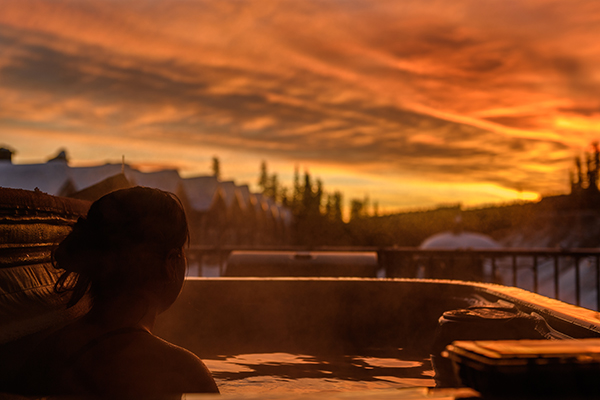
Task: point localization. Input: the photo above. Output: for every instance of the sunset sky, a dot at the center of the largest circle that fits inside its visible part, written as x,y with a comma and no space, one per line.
413,103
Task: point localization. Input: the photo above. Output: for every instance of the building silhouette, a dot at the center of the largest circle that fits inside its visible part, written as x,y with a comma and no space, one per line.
219,212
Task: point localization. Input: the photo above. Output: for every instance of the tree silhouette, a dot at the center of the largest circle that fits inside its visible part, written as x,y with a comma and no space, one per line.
333,207
318,214
263,180
216,167
269,185
273,188
359,208
284,197
356,209
337,207
297,191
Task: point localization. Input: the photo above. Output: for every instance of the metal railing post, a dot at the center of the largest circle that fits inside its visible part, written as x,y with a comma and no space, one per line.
535,274
556,277
429,269
221,261
577,282
514,269
597,283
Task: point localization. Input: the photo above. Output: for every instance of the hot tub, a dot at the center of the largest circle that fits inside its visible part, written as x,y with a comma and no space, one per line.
316,335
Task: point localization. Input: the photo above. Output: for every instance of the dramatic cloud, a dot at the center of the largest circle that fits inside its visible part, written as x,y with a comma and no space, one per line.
496,94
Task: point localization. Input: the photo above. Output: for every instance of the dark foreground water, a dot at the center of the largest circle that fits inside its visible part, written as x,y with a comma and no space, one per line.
300,373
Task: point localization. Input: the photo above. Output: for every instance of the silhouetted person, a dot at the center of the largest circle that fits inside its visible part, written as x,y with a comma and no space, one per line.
128,256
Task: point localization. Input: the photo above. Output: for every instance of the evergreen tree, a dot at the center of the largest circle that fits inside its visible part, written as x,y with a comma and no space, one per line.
333,207
356,209
216,167
307,194
263,180
329,207
318,197
337,206
318,215
273,189
297,194
579,172
284,197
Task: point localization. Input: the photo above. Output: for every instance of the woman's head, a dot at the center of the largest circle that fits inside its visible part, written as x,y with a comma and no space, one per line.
131,239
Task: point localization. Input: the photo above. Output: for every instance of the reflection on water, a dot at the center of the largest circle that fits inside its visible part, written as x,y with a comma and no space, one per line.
298,373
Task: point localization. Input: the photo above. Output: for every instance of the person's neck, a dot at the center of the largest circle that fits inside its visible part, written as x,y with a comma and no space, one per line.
124,311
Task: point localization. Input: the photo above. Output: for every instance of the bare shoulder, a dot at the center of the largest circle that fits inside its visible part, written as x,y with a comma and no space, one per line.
143,363
185,364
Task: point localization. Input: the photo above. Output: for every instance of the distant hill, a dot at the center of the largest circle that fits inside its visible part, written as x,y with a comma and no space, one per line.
566,221
558,221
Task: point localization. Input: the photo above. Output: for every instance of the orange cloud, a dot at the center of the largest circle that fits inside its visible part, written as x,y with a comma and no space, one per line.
496,93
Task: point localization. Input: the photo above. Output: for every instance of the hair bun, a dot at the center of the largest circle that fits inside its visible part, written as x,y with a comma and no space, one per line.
72,254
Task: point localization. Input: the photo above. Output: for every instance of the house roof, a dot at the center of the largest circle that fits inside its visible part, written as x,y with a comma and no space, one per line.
167,180
286,215
261,202
229,192
84,177
244,194
48,177
201,191
108,185
55,176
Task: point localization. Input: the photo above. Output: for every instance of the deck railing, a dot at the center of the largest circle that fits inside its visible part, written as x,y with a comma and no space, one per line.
571,275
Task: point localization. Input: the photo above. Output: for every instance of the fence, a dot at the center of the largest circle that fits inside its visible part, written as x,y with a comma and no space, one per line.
570,275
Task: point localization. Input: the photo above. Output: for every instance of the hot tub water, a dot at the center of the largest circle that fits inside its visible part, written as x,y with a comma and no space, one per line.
299,373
